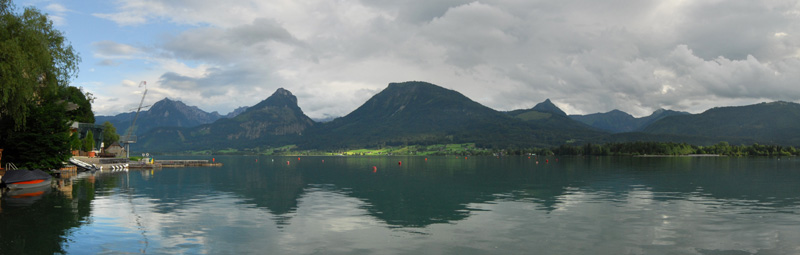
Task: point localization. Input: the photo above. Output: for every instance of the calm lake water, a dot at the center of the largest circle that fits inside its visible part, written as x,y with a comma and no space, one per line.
442,205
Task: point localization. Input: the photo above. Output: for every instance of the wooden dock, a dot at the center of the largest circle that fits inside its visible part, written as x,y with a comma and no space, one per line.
185,163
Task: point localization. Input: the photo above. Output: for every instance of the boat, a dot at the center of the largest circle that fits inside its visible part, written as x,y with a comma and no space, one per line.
24,179
83,165
26,196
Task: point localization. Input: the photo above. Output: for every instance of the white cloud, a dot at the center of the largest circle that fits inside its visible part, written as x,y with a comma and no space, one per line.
587,56
56,13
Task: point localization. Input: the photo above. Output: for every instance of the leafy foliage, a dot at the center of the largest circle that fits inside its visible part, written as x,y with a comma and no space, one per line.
83,113
75,142
41,144
88,142
675,149
110,135
35,60
36,65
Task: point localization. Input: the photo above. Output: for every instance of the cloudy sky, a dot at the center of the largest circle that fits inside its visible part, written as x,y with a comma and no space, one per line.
587,56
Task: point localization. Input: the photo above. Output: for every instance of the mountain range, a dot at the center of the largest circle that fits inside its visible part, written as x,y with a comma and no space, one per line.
617,121
423,113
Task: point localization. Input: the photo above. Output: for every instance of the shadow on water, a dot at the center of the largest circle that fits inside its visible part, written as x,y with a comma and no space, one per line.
40,221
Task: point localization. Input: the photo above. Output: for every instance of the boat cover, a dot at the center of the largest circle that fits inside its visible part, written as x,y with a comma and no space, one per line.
23,175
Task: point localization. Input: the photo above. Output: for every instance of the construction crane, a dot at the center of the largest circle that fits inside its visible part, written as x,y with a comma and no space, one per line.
129,137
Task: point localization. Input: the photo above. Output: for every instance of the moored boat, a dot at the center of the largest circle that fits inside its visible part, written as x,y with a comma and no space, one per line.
23,179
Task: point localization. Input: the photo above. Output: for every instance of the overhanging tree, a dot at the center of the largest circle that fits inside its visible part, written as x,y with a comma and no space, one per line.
36,66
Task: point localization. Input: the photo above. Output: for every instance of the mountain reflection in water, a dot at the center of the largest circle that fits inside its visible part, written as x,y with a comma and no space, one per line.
599,205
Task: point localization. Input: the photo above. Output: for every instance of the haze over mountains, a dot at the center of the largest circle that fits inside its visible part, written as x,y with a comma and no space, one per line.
423,113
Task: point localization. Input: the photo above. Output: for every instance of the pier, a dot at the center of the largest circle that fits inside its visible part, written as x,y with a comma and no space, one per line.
185,163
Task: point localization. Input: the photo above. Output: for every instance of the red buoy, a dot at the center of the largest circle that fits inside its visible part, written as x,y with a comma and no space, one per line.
374,169
399,163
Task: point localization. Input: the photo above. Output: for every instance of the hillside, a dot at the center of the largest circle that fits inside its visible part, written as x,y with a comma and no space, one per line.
275,121
546,115
617,121
766,123
423,113
164,113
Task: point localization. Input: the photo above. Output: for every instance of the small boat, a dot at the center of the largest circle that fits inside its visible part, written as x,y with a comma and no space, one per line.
83,165
24,179
26,196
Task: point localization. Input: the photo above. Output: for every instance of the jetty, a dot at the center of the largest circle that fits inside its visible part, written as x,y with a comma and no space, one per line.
185,163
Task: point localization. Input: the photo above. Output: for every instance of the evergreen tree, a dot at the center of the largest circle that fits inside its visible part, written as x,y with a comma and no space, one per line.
75,142
88,142
109,134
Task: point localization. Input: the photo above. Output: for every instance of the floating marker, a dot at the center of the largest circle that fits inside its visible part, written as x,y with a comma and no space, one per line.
256,160
323,161
298,159
426,159
399,163
546,161
374,169
287,163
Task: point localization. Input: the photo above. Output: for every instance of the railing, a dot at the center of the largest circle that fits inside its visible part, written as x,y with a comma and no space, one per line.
11,166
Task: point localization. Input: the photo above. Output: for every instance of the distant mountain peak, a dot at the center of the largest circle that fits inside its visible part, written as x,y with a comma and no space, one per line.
282,92
280,98
548,107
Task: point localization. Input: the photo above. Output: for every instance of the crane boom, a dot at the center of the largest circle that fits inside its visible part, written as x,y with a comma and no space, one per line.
129,137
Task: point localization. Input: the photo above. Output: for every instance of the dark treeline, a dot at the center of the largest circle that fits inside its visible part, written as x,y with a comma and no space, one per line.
658,148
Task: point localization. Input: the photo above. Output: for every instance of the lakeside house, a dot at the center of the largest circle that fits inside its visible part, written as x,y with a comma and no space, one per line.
116,149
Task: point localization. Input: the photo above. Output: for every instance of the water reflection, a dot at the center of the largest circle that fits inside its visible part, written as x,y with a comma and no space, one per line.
439,205
40,221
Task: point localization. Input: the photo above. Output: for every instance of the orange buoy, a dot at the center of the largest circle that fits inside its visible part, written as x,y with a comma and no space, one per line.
212,160
465,157
426,159
298,159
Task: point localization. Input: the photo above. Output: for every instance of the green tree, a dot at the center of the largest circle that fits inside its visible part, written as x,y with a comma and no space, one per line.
81,108
35,60
44,142
36,65
88,141
109,134
75,142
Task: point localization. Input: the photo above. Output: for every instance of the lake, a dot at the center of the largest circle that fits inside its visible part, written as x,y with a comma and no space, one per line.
418,205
